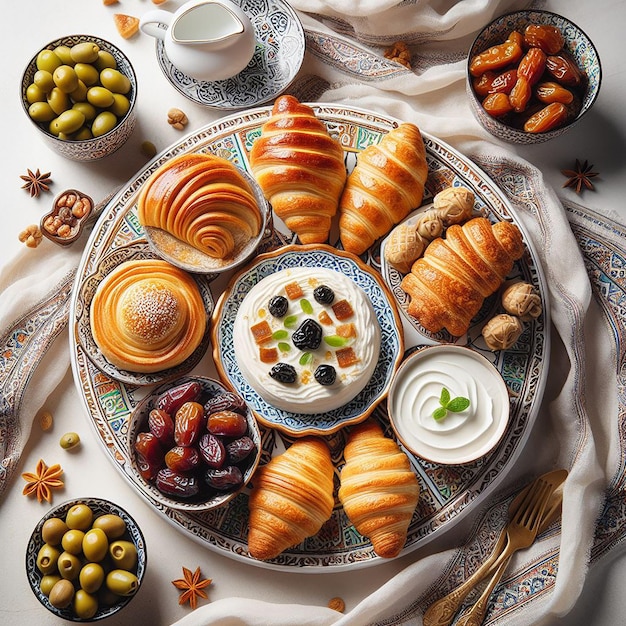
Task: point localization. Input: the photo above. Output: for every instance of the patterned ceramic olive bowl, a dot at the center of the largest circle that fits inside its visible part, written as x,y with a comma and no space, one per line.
74,121
568,85
194,445
97,552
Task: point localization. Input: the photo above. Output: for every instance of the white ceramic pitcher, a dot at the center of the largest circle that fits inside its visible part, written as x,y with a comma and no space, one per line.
206,39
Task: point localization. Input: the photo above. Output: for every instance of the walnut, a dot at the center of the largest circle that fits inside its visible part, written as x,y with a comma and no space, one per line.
502,331
454,205
404,246
31,236
430,225
400,53
522,300
177,118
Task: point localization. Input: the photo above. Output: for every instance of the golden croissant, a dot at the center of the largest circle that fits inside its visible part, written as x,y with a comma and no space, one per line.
300,169
202,200
386,184
291,498
378,489
449,283
147,316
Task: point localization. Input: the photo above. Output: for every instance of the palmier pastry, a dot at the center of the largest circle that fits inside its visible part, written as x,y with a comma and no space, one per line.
379,490
300,169
449,283
386,184
202,200
147,316
291,498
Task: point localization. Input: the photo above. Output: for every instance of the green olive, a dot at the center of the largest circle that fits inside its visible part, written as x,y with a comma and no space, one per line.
121,582
112,525
114,80
58,100
34,93
103,123
82,134
80,93
62,594
41,112
47,559
85,52
88,110
87,73
47,582
79,516
64,53
85,605
68,122
65,78
72,541
120,106
91,577
105,59
71,440
53,530
68,565
95,544
123,554
100,97
44,80
48,60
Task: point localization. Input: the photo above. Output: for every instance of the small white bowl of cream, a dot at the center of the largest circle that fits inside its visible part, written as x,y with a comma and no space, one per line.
448,404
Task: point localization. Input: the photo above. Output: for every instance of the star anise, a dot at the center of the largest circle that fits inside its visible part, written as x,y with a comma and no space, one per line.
579,177
43,481
192,586
36,182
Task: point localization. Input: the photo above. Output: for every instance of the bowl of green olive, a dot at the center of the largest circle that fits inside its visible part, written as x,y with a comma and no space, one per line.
79,92
86,559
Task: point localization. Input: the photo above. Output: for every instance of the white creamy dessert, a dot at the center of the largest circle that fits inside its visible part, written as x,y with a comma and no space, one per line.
458,437
290,357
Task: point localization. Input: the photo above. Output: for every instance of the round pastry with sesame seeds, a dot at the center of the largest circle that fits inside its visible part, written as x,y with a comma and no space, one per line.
147,316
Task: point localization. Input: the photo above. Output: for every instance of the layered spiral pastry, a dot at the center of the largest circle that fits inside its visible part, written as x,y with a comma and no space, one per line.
147,316
202,200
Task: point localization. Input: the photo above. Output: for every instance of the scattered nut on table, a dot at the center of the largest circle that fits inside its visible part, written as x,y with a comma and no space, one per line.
177,118
400,53
31,236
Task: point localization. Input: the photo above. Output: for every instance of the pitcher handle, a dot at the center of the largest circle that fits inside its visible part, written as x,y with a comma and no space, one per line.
155,23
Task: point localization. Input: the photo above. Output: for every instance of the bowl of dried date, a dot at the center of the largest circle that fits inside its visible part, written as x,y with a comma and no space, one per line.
193,443
531,76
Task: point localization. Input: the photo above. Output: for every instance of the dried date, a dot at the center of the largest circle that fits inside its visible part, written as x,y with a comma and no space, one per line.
225,479
239,449
148,446
227,401
520,95
212,450
188,423
549,92
497,104
161,426
532,65
496,58
182,459
227,424
549,117
564,70
178,485
544,36
172,399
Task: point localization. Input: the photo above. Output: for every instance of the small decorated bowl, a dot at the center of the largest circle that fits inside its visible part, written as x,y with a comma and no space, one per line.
83,115
448,404
564,83
91,583
198,457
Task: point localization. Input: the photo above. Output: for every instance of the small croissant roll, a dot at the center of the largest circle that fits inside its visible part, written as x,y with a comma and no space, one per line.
292,497
300,169
379,490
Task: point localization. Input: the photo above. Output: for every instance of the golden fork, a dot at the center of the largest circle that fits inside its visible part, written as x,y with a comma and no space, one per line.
442,611
476,614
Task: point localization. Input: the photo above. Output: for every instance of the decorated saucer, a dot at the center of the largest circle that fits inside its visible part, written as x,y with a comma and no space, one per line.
277,59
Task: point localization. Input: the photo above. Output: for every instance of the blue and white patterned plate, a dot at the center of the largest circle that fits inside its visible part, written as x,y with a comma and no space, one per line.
277,59
313,256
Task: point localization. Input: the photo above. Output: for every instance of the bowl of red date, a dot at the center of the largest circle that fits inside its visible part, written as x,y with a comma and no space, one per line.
193,443
531,76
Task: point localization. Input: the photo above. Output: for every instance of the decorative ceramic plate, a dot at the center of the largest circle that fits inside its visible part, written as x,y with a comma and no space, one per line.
391,351
448,492
277,59
137,250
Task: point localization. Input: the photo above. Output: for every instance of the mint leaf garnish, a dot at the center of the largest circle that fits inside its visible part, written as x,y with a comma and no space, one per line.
454,405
